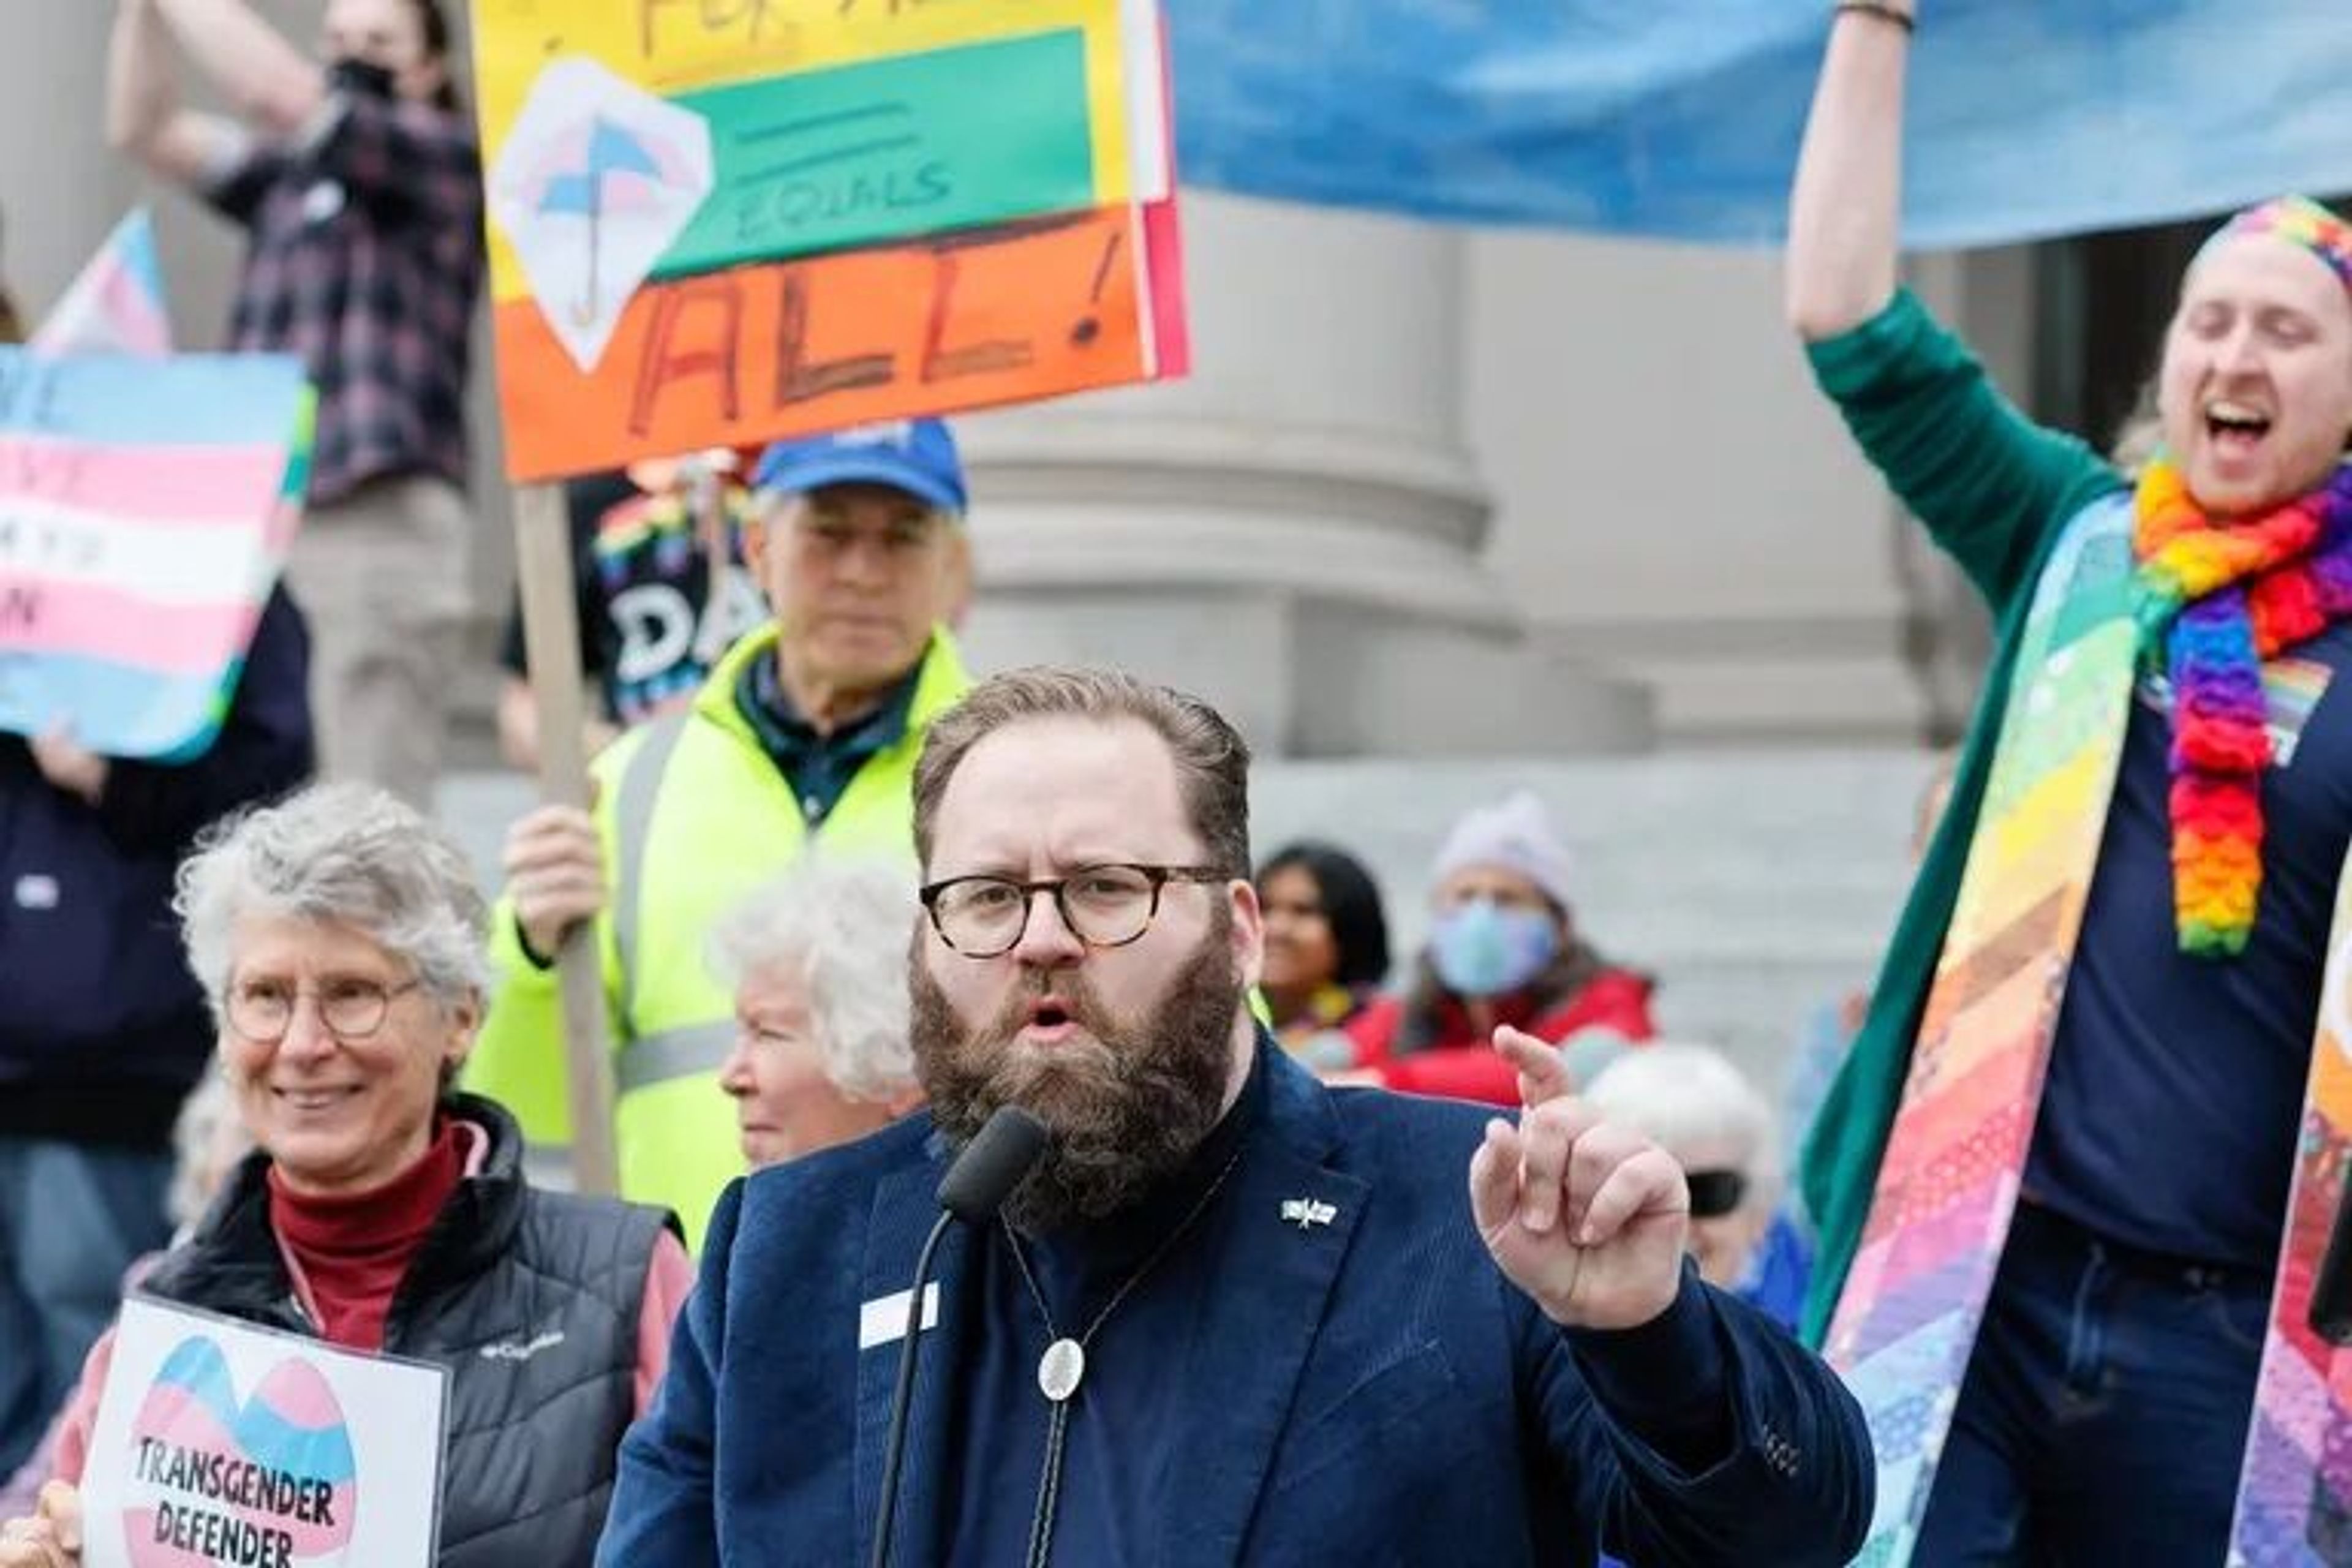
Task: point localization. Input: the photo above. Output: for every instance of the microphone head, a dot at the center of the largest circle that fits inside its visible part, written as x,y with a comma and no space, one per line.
1006,1149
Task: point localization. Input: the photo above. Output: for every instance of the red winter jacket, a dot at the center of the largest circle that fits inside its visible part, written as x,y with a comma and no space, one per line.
1460,1065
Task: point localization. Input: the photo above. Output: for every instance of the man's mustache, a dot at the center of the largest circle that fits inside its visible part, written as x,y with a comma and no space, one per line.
1077,997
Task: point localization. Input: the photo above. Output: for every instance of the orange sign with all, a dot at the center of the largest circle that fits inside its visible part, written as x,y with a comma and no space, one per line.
1025,310
700,247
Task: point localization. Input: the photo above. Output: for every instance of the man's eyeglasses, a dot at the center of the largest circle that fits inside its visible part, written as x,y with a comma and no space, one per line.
262,1011
1104,906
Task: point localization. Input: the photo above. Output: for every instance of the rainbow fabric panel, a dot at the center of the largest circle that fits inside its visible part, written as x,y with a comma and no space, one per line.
2294,1491
1947,1185
146,507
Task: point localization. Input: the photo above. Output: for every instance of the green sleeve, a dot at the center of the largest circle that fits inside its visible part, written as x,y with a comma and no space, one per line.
1988,482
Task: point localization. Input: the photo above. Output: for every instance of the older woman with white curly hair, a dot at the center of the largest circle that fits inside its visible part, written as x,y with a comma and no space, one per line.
339,938
818,961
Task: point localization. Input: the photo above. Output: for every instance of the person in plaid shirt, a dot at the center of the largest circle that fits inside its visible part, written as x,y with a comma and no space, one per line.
358,182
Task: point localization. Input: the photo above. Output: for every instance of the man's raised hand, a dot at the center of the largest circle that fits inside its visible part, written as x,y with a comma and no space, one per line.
1588,1218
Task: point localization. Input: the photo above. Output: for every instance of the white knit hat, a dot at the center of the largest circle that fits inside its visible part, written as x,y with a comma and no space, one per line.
1515,834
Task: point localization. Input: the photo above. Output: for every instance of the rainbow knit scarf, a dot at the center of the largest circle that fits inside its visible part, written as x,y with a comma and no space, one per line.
2222,599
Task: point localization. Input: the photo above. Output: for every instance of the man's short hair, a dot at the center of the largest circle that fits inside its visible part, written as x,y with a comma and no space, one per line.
1212,759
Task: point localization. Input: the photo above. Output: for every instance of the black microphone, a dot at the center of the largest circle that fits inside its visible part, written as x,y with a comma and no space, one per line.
1006,1149
999,1155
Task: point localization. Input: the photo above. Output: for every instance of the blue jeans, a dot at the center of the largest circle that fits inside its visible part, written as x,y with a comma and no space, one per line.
2105,1412
72,1218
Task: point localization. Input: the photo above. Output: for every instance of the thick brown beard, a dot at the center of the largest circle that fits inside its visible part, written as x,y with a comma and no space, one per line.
1127,1106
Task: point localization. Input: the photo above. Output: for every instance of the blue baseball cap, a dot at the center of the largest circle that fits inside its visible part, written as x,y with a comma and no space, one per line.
918,456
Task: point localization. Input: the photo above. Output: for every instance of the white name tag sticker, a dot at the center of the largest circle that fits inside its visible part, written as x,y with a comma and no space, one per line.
883,1321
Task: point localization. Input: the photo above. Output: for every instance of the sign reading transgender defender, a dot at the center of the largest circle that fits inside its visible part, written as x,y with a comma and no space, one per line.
219,1442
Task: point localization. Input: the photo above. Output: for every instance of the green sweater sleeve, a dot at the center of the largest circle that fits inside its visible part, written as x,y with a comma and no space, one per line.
1987,481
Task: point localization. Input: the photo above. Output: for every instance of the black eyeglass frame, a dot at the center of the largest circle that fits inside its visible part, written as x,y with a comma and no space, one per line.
1158,875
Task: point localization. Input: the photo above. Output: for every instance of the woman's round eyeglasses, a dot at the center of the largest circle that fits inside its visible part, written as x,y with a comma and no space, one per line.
262,1011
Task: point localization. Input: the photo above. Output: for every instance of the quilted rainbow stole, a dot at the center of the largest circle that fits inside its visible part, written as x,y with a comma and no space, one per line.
2294,1491
1948,1184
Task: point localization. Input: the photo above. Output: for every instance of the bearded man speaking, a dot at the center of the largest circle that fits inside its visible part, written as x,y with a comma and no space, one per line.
1232,1315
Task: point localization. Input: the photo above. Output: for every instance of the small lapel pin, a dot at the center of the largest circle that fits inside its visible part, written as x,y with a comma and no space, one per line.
1305,1212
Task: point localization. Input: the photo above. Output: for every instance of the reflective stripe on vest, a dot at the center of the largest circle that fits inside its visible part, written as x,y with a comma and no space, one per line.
694,1050
633,822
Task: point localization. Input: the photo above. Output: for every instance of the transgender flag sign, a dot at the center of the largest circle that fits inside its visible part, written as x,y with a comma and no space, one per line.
222,1444
146,507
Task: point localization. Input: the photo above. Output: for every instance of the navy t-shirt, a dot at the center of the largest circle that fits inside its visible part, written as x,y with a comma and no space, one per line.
2169,1118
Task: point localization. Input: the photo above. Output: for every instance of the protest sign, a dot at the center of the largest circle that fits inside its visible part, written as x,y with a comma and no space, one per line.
714,224
218,1442
145,507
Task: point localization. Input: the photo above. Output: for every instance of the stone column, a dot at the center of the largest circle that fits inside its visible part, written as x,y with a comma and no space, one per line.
1295,531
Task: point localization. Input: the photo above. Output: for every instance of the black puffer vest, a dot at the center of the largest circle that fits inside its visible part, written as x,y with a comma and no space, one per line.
531,1299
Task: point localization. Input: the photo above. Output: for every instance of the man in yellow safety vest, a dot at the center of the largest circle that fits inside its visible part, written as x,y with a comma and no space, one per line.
806,733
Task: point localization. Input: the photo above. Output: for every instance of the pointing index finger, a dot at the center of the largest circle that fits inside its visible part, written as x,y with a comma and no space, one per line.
1543,1073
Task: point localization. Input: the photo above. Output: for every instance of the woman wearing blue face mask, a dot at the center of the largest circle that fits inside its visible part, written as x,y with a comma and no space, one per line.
1503,949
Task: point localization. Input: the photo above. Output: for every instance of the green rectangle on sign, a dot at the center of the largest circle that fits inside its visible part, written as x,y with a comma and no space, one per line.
886,149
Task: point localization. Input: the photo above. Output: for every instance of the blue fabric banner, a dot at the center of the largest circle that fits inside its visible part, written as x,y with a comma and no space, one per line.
1681,120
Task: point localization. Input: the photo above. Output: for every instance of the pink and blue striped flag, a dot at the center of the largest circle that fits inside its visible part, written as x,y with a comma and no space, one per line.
116,306
146,506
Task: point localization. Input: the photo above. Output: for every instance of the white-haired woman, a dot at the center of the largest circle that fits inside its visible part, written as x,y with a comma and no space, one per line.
1695,1104
339,938
818,961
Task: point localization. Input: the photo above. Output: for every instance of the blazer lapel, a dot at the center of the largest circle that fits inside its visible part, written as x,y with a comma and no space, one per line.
1285,1230
905,1207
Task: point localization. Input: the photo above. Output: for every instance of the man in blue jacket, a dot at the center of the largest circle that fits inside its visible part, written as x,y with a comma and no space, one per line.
102,1028
1232,1316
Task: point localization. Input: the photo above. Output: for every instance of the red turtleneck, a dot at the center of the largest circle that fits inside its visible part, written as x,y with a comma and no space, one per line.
352,1252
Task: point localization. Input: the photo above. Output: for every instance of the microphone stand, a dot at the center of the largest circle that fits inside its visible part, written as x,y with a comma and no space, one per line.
997,1160
903,1395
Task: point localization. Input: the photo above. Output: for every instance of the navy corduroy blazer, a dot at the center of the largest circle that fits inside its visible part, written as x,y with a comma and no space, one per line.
1374,1391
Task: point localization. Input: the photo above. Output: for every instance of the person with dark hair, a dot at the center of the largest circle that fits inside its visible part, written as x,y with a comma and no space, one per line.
358,182
339,939
1231,1315
1504,949
1326,948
